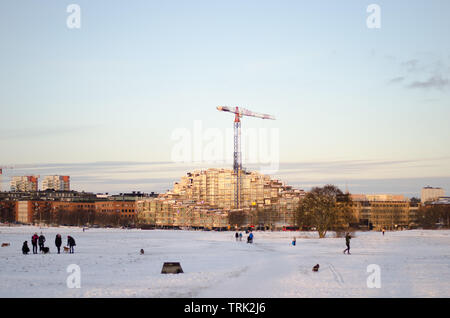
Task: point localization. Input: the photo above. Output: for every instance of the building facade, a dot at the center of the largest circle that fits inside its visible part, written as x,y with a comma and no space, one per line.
206,199
24,183
429,194
383,211
57,183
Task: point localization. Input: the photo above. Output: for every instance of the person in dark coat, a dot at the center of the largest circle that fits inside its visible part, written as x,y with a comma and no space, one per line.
250,238
347,242
70,243
58,242
236,236
25,248
41,242
34,242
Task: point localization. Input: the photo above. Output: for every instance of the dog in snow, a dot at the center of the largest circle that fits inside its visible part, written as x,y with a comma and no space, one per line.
66,249
316,268
5,244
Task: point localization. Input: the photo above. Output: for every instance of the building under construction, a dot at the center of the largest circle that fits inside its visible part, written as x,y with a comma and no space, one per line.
206,199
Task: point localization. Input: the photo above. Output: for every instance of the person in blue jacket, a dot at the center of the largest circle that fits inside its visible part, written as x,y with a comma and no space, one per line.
250,238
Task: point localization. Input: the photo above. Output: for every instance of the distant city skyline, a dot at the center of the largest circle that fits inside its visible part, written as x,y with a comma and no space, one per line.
122,177
367,108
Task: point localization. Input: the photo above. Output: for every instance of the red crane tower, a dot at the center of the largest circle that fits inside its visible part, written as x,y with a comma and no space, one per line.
237,157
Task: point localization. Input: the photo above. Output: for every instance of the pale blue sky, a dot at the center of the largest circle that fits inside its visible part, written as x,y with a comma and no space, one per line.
117,88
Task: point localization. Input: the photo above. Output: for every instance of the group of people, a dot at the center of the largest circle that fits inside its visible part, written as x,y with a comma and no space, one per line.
348,237
238,237
40,240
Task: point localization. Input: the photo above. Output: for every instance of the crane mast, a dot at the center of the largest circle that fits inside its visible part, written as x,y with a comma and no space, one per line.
237,154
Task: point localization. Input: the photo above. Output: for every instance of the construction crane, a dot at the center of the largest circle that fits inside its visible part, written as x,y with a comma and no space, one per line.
1,174
237,157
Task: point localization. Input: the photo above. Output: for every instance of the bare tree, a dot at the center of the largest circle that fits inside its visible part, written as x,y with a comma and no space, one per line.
237,218
432,217
325,209
42,212
7,211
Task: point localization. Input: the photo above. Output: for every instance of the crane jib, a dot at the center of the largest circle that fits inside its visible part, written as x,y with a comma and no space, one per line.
244,112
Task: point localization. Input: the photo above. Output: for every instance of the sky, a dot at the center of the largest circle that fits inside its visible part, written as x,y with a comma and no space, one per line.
363,108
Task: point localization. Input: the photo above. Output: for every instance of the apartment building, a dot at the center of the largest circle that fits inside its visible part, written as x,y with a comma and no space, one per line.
217,187
124,208
206,198
24,183
57,183
429,194
163,213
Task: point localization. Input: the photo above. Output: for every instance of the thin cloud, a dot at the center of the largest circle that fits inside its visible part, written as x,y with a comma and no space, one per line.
436,81
410,65
37,132
396,80
435,73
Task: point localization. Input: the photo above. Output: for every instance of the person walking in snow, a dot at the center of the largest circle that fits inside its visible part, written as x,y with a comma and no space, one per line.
34,242
25,248
236,236
383,231
347,242
70,243
294,241
41,242
240,236
58,242
250,238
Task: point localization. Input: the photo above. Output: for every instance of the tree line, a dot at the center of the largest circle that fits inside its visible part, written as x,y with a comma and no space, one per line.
7,211
433,217
323,208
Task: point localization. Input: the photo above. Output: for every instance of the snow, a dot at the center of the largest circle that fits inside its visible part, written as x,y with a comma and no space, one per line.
413,264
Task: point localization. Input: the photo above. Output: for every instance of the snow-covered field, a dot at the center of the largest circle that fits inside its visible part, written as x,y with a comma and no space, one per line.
412,264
